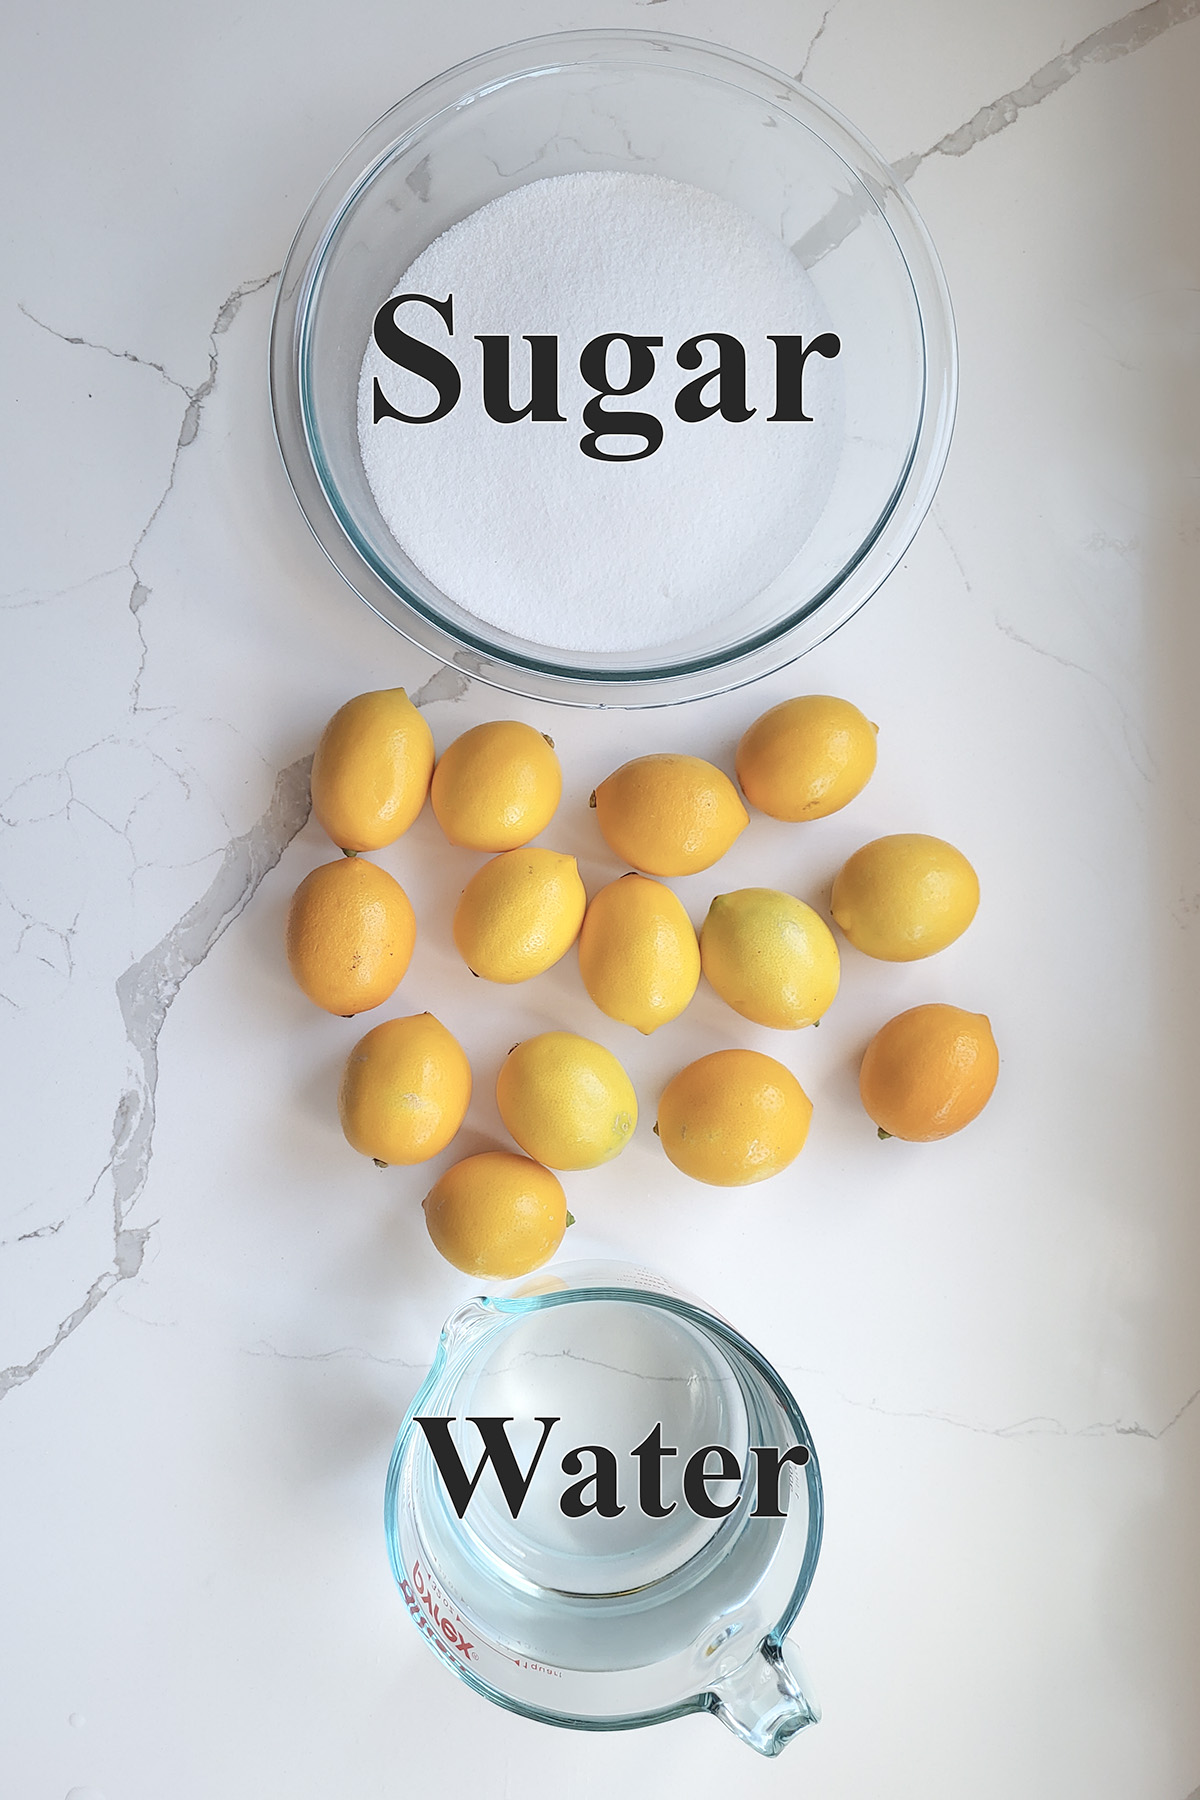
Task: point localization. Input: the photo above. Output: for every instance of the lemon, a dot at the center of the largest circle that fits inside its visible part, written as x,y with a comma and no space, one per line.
371,770
496,786
733,1117
668,814
904,897
638,954
770,957
350,935
806,758
405,1090
928,1072
519,914
567,1102
496,1214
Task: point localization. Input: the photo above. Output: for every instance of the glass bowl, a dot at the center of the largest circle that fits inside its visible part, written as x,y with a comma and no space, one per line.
649,103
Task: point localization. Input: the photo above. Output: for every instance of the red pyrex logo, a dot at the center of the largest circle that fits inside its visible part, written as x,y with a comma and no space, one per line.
445,1634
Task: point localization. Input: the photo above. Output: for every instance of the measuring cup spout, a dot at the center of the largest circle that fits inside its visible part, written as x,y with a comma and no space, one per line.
763,1702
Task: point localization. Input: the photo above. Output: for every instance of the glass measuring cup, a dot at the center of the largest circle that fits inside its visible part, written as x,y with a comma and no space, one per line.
604,1509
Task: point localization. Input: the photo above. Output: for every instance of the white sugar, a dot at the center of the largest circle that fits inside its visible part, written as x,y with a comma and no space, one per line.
512,521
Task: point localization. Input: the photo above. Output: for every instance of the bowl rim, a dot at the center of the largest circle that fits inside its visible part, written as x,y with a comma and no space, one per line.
513,668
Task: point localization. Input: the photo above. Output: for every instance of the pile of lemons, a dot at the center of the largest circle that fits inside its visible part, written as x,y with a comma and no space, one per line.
730,1118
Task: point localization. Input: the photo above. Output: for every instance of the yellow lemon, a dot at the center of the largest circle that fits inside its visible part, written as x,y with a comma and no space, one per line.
733,1117
770,957
904,897
519,914
405,1090
371,770
806,758
668,814
350,935
496,786
638,954
928,1072
497,1215
567,1102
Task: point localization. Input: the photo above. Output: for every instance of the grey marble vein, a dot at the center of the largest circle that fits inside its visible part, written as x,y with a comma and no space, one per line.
1135,737
82,343
350,1352
145,993
196,396
1130,32
818,34
1039,1425
418,179
43,1231
444,684
1139,748
64,963
936,516
17,598
189,426
65,796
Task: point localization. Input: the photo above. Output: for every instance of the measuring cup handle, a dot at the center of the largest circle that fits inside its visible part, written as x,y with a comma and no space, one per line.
764,1702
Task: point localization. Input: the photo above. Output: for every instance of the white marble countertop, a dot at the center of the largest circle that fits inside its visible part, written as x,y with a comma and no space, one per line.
212,1315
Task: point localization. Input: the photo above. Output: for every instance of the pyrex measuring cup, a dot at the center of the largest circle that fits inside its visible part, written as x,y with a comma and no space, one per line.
604,1509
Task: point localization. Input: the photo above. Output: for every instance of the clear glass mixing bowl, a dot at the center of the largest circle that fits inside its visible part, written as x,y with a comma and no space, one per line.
648,103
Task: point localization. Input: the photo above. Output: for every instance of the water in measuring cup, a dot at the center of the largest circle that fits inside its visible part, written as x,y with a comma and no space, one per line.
609,1373
600,1591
